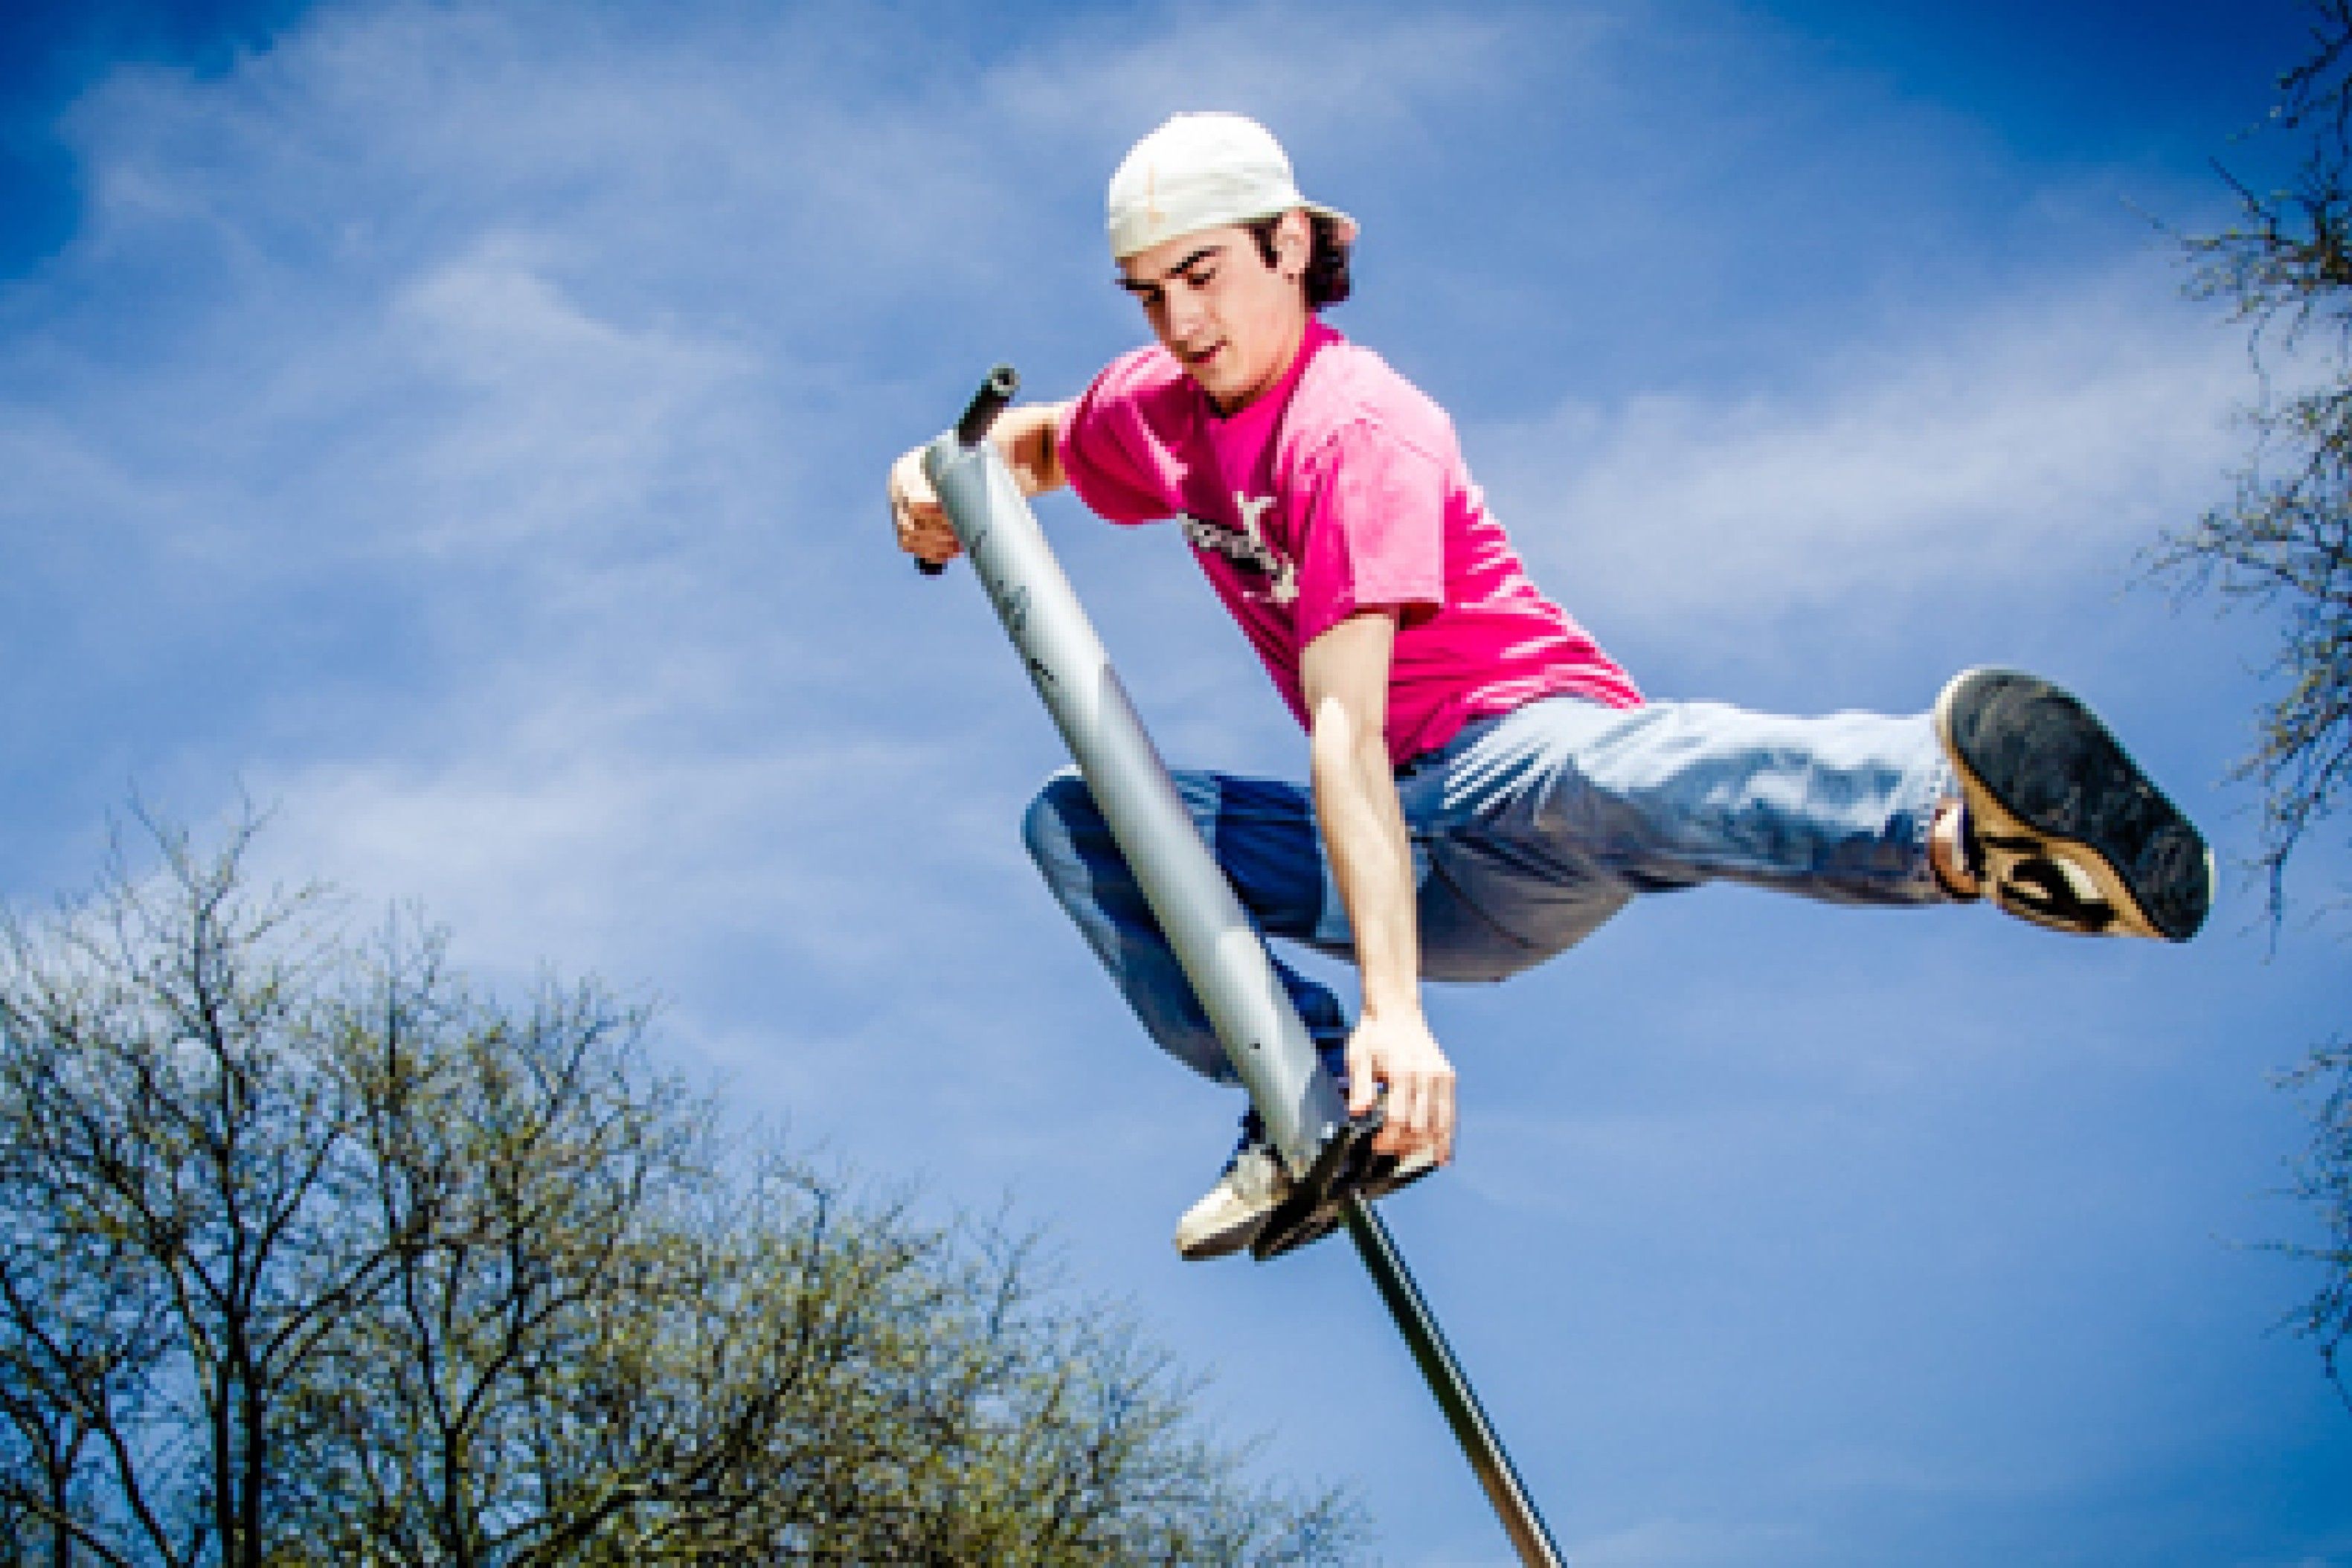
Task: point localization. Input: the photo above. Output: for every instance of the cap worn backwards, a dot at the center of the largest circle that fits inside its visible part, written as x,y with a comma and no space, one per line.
1203,171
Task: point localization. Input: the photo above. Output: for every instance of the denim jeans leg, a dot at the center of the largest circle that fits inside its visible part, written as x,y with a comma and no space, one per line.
1529,830
1525,813
1264,837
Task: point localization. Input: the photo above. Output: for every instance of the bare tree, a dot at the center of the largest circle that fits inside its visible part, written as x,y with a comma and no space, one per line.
180,1161
2283,541
2323,1179
314,1253
77,1337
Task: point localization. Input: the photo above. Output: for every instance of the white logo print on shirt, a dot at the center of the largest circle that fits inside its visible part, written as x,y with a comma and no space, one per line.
1246,547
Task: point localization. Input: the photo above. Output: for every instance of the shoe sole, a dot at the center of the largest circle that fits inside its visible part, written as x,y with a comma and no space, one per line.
1235,1237
1225,1221
2036,767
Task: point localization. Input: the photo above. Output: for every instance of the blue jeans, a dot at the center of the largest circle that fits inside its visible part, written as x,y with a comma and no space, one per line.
1528,830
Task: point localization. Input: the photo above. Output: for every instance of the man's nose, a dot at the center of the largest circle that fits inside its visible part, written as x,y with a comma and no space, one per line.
1183,314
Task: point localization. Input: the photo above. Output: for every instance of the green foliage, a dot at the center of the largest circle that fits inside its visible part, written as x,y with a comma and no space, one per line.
314,1254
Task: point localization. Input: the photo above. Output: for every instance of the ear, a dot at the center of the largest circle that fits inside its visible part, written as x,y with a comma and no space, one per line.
1294,243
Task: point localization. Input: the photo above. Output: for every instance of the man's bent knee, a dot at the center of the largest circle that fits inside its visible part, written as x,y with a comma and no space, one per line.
1062,809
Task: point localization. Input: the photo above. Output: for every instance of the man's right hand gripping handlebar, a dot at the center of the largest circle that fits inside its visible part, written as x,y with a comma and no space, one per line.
1024,437
921,521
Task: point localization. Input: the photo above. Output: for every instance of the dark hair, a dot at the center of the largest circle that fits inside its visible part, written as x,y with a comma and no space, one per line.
1326,279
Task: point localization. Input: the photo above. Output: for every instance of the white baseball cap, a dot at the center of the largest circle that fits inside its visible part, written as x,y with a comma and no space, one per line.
1203,171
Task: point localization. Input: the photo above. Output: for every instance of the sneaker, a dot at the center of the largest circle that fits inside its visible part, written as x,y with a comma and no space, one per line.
2060,825
1229,1215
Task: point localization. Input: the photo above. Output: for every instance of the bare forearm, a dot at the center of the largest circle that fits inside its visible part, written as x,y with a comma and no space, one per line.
1345,674
1371,859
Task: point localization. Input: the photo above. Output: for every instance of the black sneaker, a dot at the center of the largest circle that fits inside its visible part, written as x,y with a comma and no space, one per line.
2061,827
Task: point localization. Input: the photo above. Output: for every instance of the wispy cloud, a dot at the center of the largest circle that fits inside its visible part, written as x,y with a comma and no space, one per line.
2003,451
538,355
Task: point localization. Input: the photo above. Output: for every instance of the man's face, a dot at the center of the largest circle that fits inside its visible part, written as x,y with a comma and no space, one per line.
1231,321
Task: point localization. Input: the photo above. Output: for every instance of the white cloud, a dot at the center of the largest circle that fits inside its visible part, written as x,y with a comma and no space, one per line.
601,857
1374,72
2001,450
562,341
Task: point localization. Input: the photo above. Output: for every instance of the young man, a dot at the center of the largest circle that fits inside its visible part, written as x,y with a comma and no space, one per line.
1487,786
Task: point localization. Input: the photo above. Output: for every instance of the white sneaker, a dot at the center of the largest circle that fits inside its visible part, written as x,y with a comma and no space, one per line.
1231,1214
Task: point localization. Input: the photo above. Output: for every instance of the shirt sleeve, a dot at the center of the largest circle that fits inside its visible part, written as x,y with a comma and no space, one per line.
1375,534
1110,455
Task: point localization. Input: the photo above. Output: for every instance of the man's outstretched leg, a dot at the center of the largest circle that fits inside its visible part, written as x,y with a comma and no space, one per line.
2058,824
2009,788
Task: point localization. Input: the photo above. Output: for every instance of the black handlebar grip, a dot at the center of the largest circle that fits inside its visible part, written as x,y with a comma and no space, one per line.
990,401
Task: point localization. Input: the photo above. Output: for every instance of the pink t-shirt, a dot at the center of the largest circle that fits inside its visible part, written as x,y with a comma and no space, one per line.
1340,489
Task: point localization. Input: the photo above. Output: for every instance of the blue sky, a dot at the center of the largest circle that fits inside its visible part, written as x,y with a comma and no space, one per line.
461,429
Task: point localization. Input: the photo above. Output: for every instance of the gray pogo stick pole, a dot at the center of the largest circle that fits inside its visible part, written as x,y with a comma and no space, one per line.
1245,1002
1219,950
